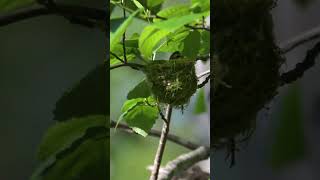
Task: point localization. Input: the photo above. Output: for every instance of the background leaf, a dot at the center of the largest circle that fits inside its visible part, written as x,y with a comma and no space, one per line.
8,5
200,104
77,149
289,139
89,97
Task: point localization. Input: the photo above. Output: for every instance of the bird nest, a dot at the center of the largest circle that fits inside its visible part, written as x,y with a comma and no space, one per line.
246,65
172,81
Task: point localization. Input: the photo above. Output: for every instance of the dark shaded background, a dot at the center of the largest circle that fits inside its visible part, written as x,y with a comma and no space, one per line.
40,58
253,161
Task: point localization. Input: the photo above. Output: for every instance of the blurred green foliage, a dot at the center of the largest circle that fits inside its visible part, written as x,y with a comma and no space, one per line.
289,143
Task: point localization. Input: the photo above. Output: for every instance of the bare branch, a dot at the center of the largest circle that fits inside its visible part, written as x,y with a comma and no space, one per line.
132,65
183,162
300,39
117,57
203,74
162,144
61,10
124,36
204,82
300,68
173,138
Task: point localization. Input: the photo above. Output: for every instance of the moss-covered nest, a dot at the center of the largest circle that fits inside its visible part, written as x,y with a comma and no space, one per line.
172,81
247,59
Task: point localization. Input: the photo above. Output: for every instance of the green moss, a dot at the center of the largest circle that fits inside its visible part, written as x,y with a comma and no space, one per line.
172,81
247,59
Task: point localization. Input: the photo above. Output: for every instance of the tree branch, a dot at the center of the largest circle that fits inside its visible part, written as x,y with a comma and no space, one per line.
124,36
171,137
61,10
300,39
183,162
204,82
162,144
300,68
132,65
117,57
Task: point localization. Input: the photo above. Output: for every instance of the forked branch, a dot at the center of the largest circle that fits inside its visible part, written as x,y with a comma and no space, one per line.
183,162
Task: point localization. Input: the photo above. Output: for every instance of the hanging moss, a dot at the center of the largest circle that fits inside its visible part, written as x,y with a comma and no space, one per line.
172,81
247,59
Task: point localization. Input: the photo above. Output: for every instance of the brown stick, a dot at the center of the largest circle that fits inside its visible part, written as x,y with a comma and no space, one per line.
162,144
156,133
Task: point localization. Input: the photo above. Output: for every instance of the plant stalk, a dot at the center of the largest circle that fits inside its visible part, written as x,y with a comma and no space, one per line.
162,144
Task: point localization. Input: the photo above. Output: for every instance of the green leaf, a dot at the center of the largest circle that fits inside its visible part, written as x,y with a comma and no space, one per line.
115,37
131,50
88,97
8,5
142,118
115,23
175,41
154,3
192,45
204,5
205,43
174,11
175,23
150,39
142,90
137,3
77,149
129,104
200,104
139,115
289,145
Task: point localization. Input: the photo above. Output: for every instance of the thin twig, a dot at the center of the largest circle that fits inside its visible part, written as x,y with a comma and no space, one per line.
204,82
156,133
124,36
203,74
197,28
183,162
302,67
117,57
72,10
162,115
300,39
132,65
162,144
